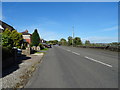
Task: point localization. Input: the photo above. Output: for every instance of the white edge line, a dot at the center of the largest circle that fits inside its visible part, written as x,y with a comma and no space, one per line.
98,61
76,53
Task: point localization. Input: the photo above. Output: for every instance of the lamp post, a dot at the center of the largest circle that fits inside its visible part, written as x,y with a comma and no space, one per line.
73,36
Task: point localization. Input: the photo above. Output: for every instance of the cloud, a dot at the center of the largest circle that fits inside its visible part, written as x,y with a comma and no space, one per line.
49,35
44,29
47,22
100,39
3,17
111,29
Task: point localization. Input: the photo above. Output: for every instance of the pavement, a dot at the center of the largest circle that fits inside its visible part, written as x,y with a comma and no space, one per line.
18,75
70,67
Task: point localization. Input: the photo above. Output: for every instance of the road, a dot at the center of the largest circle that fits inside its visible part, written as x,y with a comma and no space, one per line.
70,67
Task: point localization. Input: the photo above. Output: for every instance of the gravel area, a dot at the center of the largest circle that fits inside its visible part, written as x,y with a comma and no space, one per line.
20,77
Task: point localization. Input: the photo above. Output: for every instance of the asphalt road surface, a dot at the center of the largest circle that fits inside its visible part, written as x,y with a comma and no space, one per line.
70,67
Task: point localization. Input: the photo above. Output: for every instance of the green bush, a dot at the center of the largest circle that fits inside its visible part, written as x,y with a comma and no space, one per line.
11,38
41,46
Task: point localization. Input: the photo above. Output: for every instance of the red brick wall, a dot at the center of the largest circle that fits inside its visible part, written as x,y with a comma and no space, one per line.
28,40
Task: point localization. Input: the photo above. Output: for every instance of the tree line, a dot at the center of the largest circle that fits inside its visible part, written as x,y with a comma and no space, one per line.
73,41
78,42
70,41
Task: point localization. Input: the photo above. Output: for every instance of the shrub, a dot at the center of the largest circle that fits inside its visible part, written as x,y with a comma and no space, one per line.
11,39
41,46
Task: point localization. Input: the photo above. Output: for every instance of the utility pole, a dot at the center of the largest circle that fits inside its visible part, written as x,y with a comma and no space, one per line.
73,36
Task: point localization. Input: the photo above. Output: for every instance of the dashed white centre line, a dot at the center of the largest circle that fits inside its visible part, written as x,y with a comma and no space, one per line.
98,61
76,53
91,59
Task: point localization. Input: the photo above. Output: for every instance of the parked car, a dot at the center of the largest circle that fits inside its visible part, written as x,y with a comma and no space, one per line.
19,51
50,46
47,45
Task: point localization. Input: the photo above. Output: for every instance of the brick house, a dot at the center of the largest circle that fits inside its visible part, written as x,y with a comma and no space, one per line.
26,36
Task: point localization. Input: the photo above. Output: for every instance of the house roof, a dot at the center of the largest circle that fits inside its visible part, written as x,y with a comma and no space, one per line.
25,32
4,25
1,27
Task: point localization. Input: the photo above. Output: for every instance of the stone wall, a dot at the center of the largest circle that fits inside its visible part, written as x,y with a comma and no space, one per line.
36,48
27,51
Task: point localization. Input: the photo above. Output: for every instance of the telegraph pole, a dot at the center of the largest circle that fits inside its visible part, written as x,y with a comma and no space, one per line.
73,36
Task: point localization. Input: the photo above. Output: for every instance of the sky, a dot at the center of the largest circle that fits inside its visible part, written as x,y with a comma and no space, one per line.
60,0
94,21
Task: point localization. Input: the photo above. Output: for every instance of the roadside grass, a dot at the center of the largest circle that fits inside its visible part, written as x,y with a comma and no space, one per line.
42,51
45,49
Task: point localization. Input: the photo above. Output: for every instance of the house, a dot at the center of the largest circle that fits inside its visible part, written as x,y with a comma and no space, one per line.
26,36
4,25
1,29
42,41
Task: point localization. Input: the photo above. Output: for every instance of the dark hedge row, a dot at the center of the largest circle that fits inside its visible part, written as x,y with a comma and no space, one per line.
6,53
103,47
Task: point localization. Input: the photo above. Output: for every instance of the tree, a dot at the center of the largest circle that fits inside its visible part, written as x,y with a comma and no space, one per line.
87,42
17,38
11,39
69,40
63,41
6,39
35,38
77,41
55,41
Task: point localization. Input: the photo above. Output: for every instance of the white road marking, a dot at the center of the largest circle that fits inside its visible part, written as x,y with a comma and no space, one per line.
76,53
98,61
68,50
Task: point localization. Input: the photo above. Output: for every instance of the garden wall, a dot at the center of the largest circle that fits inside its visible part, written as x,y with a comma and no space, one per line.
8,57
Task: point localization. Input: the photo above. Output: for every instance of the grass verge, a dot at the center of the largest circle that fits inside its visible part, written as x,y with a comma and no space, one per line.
45,49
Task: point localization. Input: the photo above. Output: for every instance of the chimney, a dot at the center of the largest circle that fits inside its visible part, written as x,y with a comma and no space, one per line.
26,31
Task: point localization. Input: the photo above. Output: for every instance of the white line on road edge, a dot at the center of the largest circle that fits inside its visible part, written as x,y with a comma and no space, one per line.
76,53
68,50
98,61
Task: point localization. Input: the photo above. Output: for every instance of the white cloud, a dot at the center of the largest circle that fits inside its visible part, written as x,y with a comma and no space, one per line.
111,29
97,39
3,17
49,35
43,30
47,22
